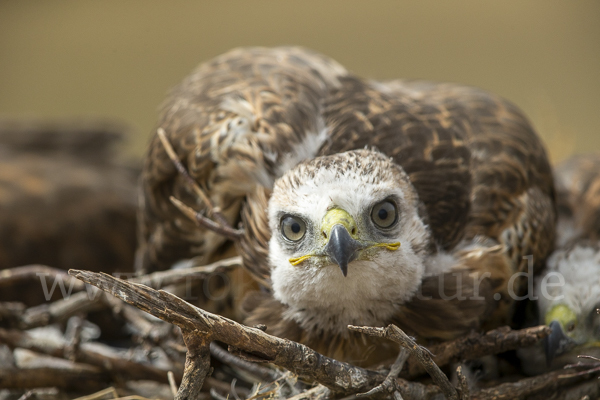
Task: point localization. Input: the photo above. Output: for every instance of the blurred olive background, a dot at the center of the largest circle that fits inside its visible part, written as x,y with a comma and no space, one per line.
117,58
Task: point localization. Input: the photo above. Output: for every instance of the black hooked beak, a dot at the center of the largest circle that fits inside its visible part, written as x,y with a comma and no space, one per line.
342,247
557,342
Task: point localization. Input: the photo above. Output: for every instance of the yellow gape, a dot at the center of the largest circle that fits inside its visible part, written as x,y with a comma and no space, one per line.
390,246
298,260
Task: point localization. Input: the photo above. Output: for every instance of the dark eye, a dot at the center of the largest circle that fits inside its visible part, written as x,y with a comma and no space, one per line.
384,214
293,228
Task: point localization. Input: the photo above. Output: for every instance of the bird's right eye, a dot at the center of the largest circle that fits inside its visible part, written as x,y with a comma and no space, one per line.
384,214
292,228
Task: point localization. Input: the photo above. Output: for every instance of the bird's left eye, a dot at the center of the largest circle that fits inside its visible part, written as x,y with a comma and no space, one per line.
293,228
384,214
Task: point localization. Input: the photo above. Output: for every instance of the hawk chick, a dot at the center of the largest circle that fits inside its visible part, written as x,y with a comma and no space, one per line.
568,290
361,202
356,210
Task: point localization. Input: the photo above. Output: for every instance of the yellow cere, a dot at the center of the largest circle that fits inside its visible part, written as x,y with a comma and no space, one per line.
561,313
337,216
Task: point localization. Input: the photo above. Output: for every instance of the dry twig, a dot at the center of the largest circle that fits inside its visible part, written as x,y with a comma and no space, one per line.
463,385
60,310
262,373
388,386
545,384
11,276
117,366
392,332
162,279
90,300
477,345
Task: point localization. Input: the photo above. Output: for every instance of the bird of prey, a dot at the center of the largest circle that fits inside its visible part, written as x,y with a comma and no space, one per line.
359,202
568,290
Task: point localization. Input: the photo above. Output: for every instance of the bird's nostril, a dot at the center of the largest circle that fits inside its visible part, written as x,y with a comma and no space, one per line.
324,234
353,231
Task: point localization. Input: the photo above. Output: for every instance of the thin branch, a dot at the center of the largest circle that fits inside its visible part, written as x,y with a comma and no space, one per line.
319,392
463,385
588,357
223,387
161,279
594,369
477,345
258,371
395,334
109,364
11,276
43,393
60,310
89,300
172,383
547,383
102,394
389,384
